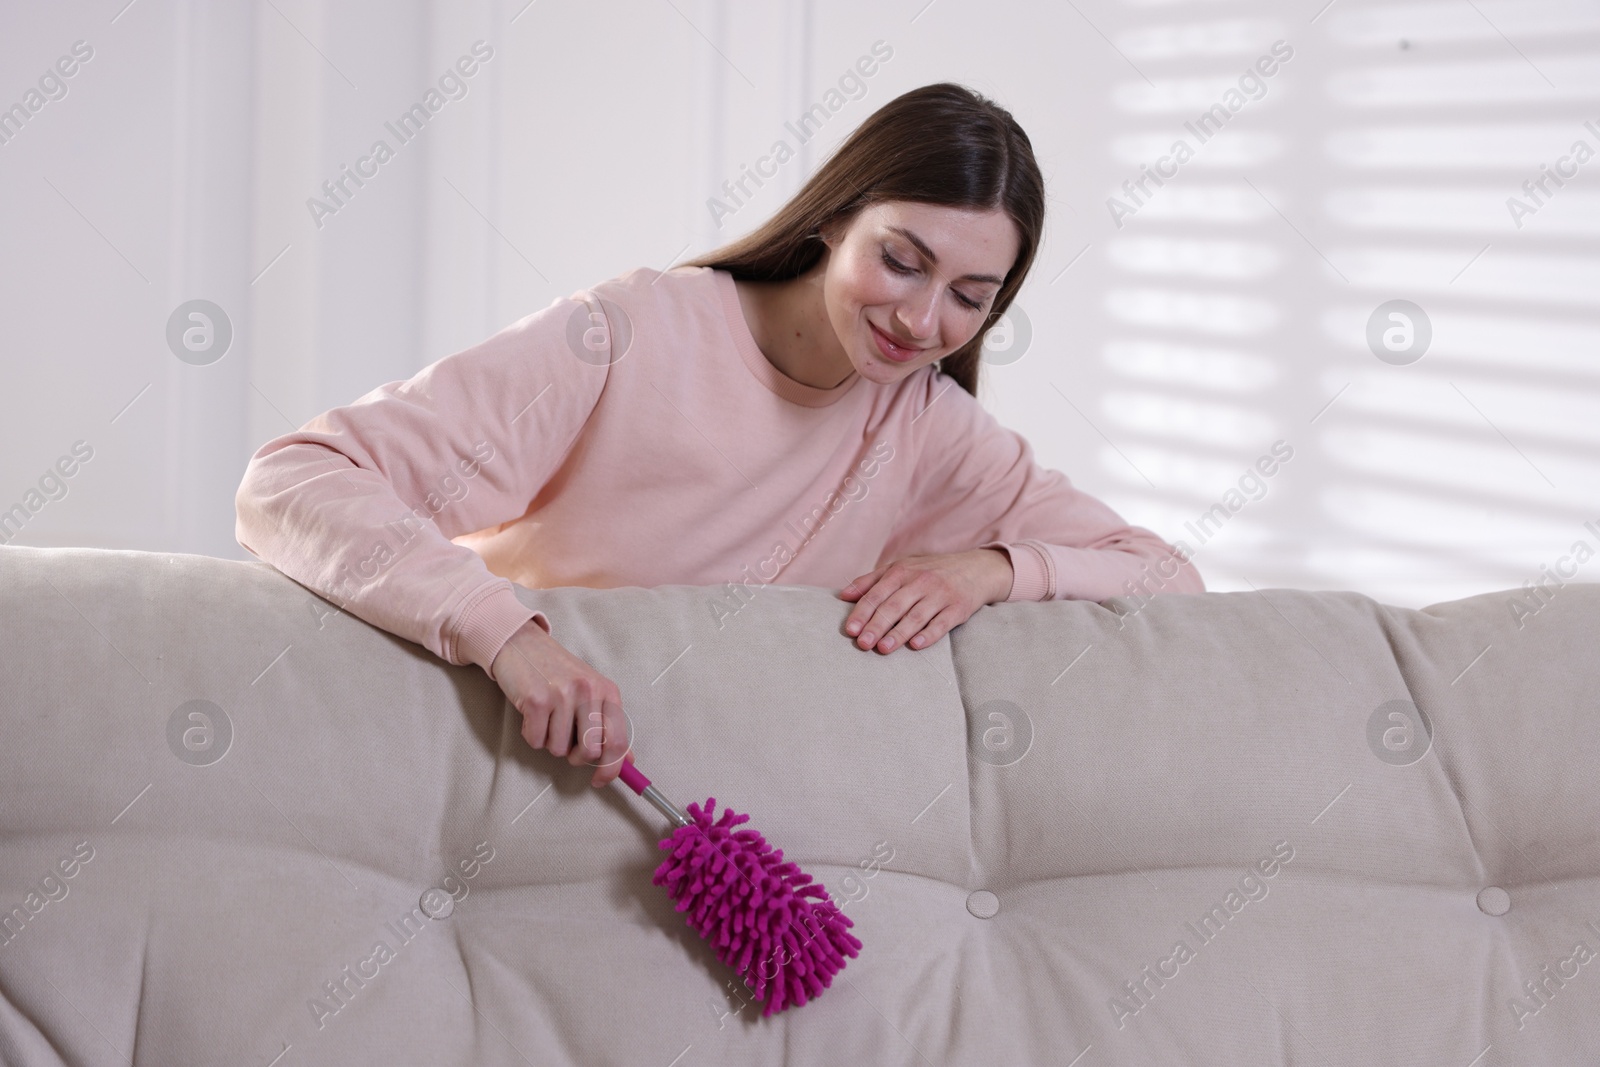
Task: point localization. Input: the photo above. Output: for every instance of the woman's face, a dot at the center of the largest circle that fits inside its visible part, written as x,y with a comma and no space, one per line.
908,283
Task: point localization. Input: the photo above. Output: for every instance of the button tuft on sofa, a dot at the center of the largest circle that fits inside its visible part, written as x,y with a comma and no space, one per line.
436,903
1492,900
983,904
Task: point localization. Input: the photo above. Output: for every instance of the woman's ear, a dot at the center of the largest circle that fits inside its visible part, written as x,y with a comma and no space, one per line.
833,231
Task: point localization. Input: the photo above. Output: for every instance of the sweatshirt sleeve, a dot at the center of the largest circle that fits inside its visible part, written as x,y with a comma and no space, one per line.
976,484
360,504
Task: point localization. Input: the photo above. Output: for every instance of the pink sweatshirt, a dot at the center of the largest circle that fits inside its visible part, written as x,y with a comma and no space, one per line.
634,434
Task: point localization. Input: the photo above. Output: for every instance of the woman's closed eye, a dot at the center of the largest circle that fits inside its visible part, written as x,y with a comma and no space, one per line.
900,268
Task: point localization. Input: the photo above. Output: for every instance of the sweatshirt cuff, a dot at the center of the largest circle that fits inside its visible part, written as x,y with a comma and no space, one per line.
1030,570
489,623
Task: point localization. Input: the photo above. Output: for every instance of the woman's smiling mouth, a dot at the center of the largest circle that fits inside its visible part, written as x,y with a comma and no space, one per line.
893,350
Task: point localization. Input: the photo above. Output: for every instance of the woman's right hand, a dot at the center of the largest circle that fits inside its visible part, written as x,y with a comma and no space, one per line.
567,706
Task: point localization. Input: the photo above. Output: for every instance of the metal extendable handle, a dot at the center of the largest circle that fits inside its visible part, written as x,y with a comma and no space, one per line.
634,779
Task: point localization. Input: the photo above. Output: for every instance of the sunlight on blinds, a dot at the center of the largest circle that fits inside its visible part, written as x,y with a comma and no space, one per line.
1284,178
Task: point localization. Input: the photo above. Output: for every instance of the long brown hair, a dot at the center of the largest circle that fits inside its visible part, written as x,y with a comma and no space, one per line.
941,144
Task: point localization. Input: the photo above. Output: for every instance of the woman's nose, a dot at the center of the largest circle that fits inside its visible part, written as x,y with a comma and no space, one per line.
918,315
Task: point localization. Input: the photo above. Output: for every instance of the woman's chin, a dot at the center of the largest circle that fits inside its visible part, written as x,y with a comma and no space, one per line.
882,371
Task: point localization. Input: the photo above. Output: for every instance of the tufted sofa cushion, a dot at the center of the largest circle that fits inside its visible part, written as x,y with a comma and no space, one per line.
1281,827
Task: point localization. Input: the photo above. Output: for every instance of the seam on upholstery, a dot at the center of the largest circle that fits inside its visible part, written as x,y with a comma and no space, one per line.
138,1002
966,753
1386,623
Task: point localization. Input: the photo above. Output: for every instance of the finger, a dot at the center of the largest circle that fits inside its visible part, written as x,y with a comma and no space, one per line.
590,727
861,584
559,736
889,613
535,725
610,736
936,628
618,739
911,622
615,746
871,602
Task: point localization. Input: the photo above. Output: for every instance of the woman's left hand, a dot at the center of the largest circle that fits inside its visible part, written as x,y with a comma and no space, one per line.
918,599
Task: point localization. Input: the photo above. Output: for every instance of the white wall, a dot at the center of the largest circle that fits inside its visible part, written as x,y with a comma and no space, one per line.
1166,354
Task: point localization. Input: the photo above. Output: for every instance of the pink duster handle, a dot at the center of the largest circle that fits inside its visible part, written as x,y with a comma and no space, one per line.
635,780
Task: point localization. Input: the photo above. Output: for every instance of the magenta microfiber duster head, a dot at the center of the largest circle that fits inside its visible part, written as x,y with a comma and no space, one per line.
762,915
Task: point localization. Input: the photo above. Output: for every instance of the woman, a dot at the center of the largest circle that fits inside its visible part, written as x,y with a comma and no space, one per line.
798,407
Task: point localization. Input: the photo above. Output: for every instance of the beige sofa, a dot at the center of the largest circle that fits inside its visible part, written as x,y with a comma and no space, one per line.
1238,828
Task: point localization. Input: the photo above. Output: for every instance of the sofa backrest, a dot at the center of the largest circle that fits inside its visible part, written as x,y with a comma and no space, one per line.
1266,827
